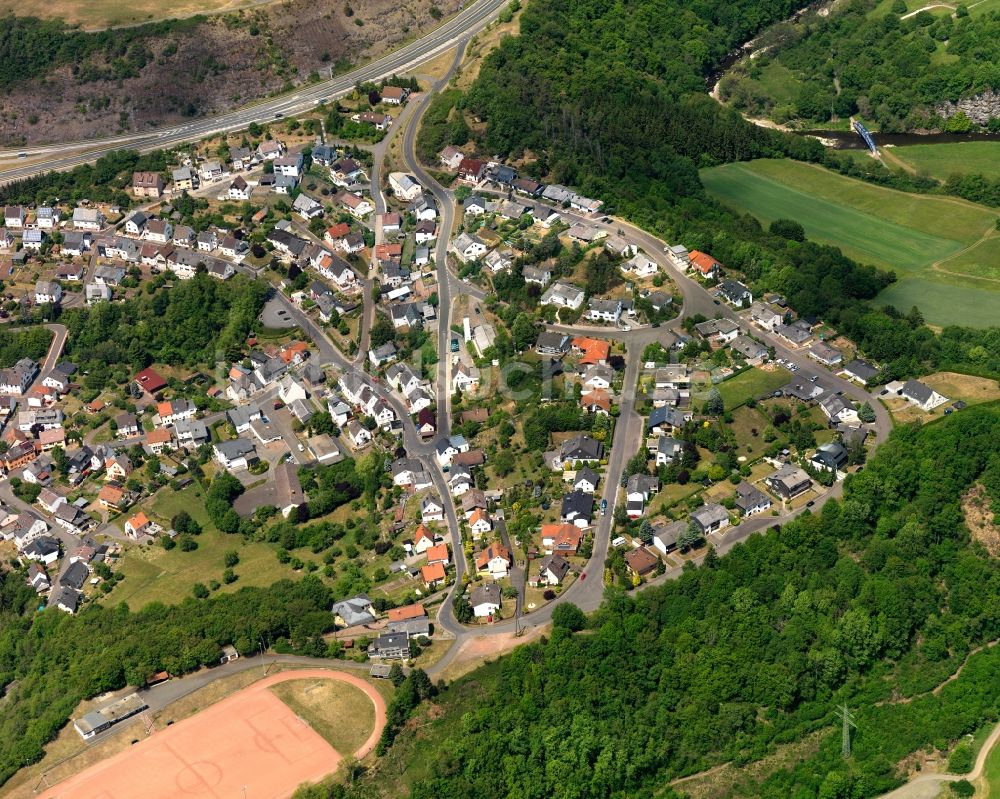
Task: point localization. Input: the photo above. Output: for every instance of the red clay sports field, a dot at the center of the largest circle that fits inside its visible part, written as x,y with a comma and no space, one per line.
249,741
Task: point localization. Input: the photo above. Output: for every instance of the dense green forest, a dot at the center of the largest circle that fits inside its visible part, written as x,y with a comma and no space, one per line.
891,71
28,343
191,323
881,596
50,660
30,47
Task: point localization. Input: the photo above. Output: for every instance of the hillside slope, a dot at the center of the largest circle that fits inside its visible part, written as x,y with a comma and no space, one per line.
64,85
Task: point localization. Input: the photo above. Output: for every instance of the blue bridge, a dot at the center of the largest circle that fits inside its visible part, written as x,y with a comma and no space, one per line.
865,134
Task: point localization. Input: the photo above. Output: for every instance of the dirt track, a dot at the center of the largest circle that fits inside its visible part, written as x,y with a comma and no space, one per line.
249,741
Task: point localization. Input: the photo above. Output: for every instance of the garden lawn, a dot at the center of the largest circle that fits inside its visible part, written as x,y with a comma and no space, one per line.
153,574
752,384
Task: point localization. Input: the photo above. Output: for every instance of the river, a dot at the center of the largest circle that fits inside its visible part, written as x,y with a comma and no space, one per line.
837,139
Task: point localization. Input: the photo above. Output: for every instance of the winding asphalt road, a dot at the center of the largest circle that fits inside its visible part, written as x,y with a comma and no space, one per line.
69,154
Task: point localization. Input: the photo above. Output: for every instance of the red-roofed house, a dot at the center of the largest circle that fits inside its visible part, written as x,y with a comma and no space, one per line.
561,539
406,612
438,554
150,381
471,169
495,560
705,265
433,574
592,350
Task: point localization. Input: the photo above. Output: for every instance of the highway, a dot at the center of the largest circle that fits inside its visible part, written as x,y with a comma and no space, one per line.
66,155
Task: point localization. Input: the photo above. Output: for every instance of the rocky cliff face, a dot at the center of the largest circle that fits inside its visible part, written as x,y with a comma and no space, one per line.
980,109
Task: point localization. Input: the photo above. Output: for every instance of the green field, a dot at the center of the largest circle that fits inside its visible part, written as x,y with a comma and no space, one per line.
153,574
752,384
907,233
942,160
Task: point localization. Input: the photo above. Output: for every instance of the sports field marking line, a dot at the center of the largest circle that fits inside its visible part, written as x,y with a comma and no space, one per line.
188,768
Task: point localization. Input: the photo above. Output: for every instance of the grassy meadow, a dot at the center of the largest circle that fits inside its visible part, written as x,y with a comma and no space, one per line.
941,248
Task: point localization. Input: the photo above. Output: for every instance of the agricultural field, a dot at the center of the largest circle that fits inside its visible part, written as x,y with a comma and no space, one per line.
942,160
914,235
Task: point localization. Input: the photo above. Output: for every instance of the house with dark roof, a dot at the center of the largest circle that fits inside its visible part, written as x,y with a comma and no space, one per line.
751,500
830,457
577,508
789,481
861,371
710,518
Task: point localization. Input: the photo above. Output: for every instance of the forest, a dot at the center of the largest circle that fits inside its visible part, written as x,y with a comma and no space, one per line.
50,660
879,597
32,342
195,322
892,71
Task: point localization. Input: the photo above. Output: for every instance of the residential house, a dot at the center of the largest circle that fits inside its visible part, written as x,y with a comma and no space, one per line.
47,291
861,372
825,354
468,247
586,480
563,539
137,525
552,343
355,204
667,536
450,157
485,600
753,352
830,457
577,508
765,317
390,646
578,449
480,523
183,179
638,490
789,481
596,401
471,170
236,454
751,500
147,184
837,409
431,509
705,265
14,216
641,561
290,166
354,612
710,518
239,189
640,266
722,331
599,310
735,293
494,561
404,186
552,570
433,575
921,395
563,295
537,275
